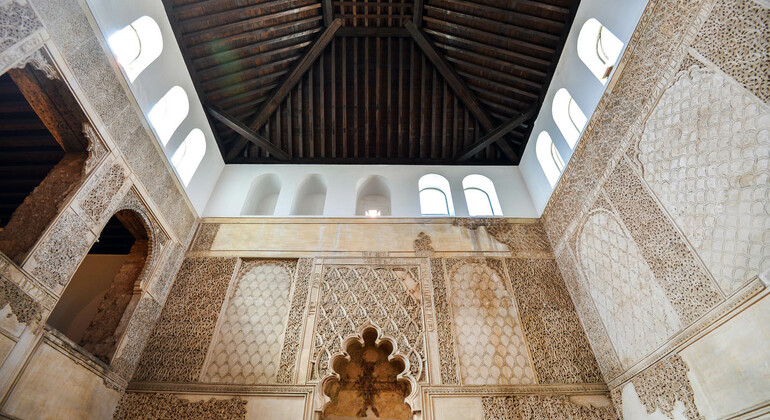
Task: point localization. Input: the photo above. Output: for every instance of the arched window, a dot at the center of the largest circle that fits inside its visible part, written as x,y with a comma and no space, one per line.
311,197
568,116
549,158
373,197
189,155
166,115
435,196
598,48
263,196
480,196
137,45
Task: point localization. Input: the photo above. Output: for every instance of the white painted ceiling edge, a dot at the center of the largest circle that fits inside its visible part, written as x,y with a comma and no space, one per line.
167,71
621,18
235,182
219,190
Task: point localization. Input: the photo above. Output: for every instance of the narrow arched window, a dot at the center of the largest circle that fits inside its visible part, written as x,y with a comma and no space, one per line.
480,196
169,112
549,158
263,196
373,197
568,116
137,45
598,48
435,196
189,155
311,197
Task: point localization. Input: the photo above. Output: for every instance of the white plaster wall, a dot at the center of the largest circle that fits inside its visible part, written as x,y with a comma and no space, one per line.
620,17
232,189
167,71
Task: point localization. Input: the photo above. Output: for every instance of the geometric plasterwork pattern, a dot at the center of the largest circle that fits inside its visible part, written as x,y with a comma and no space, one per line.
735,39
23,307
596,332
61,250
673,263
17,21
135,405
705,155
295,322
446,342
205,237
637,315
490,343
661,386
526,407
247,348
354,296
656,44
102,190
560,349
178,345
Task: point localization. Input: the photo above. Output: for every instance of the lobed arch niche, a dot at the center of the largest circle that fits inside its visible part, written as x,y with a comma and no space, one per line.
369,379
310,199
373,197
262,196
100,298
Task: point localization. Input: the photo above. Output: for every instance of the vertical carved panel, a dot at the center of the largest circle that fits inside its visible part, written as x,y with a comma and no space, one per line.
688,288
292,339
633,306
353,296
560,350
181,338
703,153
735,38
247,348
490,343
446,343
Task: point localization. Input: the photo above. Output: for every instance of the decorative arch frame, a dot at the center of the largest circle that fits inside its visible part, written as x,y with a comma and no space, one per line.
413,400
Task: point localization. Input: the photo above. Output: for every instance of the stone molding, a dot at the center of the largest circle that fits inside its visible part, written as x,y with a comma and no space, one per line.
549,389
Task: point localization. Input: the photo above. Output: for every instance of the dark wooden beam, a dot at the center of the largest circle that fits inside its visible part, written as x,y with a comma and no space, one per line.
459,87
369,31
497,134
247,133
291,80
327,12
417,17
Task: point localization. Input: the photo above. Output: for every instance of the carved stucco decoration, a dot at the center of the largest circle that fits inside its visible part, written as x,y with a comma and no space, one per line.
491,347
735,38
164,277
516,236
205,237
297,314
560,349
250,336
423,243
384,378
533,407
40,61
660,386
23,307
17,21
97,148
353,296
168,406
57,257
590,319
134,339
702,155
691,292
100,192
446,342
178,345
627,296
653,49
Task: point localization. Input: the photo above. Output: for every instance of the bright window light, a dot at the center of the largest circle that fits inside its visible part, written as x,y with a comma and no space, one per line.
137,45
480,196
568,116
435,196
549,158
169,112
188,156
598,48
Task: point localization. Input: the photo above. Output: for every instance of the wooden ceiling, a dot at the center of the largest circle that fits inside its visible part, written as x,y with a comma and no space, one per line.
380,82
